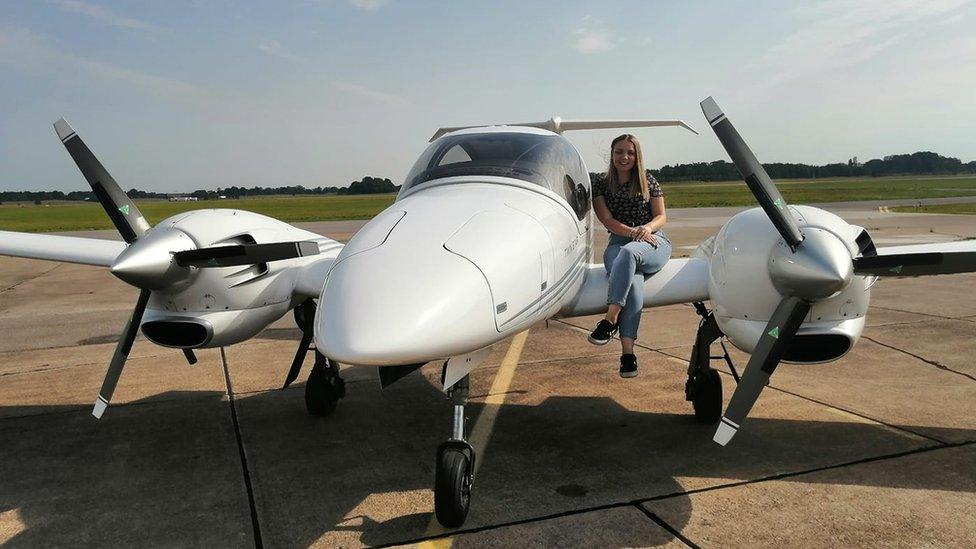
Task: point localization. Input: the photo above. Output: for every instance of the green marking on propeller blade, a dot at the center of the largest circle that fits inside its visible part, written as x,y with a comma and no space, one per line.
896,269
779,203
774,332
124,209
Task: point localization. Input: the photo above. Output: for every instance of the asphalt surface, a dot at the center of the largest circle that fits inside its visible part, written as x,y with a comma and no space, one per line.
876,449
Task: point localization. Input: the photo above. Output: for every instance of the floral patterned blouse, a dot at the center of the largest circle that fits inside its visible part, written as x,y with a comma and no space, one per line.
625,208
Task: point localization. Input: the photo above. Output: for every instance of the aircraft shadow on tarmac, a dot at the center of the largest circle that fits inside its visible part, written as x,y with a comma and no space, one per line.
166,470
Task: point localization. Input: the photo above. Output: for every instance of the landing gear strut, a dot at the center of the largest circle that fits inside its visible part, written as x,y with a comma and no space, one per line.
704,385
324,387
454,475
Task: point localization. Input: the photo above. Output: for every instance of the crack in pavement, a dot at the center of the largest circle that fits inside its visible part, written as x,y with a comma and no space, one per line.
640,502
258,542
935,363
966,318
900,429
35,277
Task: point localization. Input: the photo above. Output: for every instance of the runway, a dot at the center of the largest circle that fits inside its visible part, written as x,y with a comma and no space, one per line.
876,449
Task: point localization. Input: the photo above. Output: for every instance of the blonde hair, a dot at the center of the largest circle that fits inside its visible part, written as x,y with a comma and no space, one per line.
636,185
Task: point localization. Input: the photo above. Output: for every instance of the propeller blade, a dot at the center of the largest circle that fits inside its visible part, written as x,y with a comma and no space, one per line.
245,254
753,173
775,340
121,354
916,264
120,209
304,317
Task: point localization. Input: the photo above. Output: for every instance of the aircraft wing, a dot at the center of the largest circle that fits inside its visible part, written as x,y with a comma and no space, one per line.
311,277
70,249
938,247
682,280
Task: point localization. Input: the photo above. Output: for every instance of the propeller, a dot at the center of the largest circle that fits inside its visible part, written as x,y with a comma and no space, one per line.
916,264
131,224
120,209
775,340
809,273
754,174
816,266
156,259
245,254
122,349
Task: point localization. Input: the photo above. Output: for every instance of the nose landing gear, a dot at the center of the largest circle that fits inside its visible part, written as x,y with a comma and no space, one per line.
454,476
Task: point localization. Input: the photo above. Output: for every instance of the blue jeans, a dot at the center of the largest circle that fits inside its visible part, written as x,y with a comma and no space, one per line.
629,263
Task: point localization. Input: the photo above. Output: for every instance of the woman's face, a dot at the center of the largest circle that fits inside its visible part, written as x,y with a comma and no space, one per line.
624,155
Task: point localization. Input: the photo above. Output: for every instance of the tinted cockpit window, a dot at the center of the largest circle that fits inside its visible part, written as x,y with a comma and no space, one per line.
540,159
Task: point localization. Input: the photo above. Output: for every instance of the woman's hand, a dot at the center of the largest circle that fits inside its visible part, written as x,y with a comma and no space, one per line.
642,234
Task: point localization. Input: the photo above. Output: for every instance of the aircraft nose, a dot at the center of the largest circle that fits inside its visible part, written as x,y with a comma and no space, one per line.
403,305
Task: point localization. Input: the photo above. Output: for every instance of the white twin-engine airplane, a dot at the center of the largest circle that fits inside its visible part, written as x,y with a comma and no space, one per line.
492,232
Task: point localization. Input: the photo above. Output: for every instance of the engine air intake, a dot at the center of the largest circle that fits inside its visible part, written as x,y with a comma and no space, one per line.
814,348
184,334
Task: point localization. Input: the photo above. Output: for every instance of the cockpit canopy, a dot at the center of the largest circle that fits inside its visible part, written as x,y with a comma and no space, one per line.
547,160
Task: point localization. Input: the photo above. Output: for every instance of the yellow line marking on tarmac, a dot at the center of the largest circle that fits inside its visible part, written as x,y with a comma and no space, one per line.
483,427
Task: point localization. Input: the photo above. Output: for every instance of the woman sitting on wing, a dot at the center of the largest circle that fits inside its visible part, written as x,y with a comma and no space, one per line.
630,204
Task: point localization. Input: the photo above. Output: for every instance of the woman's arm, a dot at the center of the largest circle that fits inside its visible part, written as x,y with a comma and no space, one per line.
658,218
605,217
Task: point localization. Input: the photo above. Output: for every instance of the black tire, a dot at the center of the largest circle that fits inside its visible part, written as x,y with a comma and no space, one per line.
452,488
708,397
322,391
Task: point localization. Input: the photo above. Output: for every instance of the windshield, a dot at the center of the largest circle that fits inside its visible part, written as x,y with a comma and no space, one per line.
529,157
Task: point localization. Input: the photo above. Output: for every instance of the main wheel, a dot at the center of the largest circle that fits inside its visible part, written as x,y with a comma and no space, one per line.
323,390
452,487
707,396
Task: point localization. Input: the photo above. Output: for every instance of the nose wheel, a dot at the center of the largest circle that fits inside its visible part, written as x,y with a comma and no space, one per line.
454,473
324,387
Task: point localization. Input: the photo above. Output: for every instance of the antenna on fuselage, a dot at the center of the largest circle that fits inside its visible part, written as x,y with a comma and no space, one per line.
558,125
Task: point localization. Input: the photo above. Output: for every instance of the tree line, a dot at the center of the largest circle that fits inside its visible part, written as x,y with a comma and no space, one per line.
919,163
367,185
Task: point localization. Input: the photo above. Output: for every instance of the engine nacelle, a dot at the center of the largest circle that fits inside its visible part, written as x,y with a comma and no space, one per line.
744,295
213,307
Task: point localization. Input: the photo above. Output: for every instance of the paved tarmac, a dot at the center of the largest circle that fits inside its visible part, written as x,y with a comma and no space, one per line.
876,449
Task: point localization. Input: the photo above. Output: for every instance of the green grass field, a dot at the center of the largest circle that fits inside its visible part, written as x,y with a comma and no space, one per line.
968,208
73,216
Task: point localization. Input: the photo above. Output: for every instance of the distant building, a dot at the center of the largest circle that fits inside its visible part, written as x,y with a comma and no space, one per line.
182,198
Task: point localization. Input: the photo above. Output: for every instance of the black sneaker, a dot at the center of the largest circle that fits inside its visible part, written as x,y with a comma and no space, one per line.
603,333
628,365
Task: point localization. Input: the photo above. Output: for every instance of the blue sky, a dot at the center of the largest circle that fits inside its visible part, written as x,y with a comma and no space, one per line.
180,95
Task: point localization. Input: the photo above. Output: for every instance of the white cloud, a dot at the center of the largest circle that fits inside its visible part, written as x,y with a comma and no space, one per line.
593,37
378,96
368,5
274,48
107,16
844,33
32,52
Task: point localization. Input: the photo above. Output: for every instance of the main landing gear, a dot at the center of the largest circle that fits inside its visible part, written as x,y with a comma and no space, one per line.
704,385
324,387
454,476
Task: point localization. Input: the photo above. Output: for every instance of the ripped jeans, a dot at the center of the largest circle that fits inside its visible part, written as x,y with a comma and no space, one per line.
629,263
